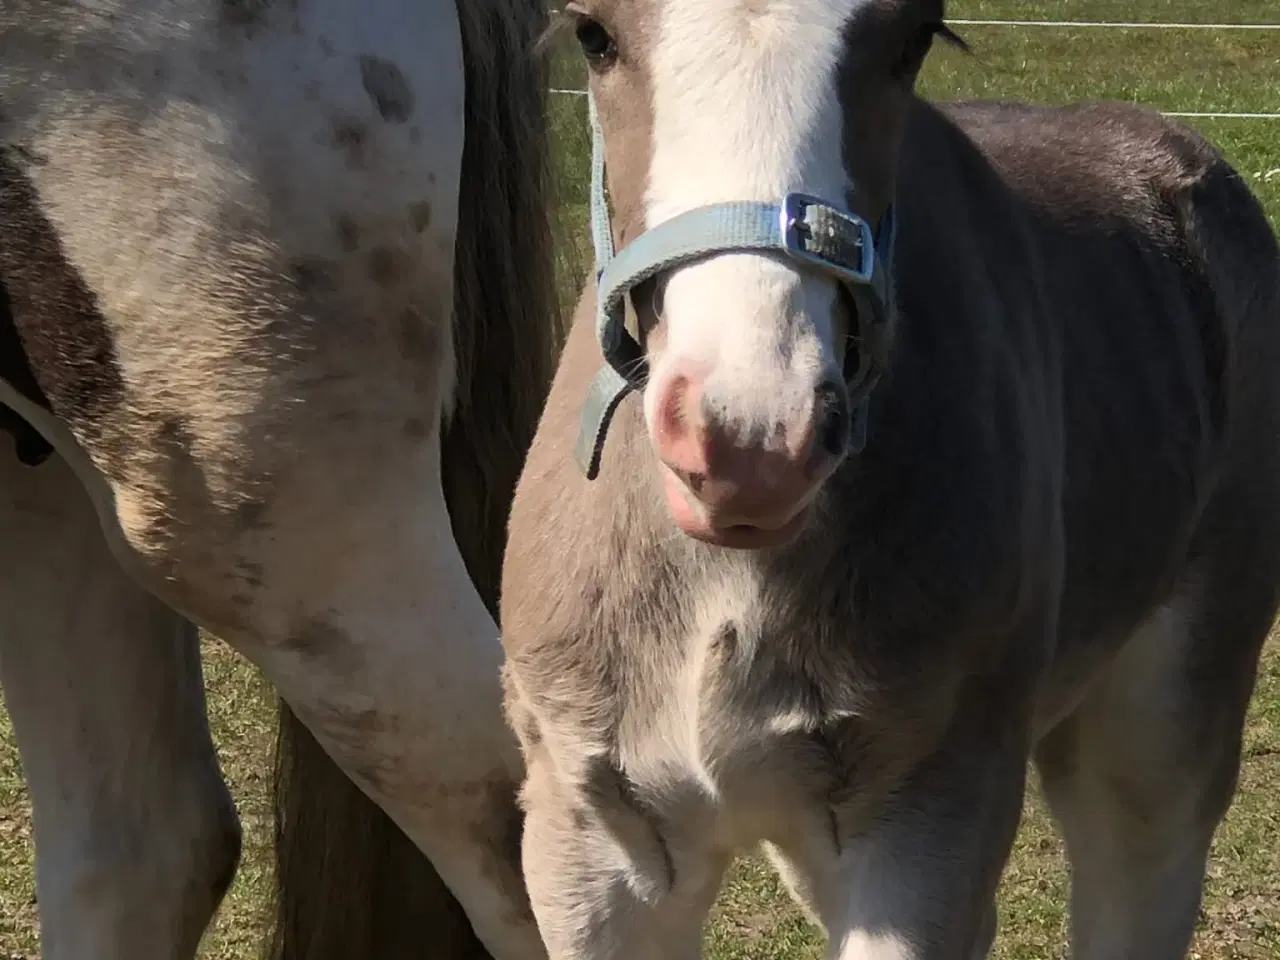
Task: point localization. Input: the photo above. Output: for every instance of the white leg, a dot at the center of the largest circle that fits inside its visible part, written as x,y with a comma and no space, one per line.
397,673
1142,773
920,883
601,885
136,835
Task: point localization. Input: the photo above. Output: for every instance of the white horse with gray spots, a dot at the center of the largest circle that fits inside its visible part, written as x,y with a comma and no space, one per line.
276,321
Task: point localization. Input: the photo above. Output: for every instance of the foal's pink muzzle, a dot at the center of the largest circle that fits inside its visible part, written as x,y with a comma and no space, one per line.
734,491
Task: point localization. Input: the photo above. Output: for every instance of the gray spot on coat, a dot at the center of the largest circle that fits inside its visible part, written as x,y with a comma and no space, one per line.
420,215
244,13
318,639
387,88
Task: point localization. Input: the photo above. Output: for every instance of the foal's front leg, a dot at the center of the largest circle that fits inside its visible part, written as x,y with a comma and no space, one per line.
602,881
920,883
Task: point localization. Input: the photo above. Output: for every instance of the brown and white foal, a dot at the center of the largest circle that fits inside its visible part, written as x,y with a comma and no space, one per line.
1006,475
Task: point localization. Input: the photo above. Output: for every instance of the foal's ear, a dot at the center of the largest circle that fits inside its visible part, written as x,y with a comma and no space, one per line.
558,23
954,39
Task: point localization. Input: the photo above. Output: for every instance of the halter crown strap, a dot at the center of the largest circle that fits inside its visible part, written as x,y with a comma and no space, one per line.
802,228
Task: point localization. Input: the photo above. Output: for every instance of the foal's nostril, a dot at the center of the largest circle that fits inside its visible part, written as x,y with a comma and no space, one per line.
833,419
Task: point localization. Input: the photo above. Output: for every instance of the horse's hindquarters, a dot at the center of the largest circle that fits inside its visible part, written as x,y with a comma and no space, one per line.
230,260
235,238
259,226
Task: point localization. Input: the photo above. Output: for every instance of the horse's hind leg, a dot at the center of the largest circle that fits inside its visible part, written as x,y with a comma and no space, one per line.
136,837
1141,774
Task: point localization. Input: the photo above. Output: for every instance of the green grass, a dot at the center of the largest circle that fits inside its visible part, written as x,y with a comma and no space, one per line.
753,920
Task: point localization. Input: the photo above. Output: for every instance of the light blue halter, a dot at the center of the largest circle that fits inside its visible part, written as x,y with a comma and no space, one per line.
814,234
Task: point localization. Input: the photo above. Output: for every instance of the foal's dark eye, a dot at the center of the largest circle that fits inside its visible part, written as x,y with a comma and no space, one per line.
597,46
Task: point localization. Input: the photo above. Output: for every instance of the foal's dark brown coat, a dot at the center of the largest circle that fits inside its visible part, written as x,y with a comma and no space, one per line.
1065,531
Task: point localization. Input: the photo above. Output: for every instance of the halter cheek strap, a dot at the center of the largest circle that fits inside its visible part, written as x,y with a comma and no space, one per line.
813,234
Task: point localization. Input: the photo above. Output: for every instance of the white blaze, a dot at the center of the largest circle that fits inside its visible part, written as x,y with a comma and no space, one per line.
746,106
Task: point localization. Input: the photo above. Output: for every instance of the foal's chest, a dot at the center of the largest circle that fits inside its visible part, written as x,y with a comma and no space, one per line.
731,729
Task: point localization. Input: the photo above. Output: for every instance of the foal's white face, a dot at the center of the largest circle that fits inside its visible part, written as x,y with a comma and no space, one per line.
746,106
703,101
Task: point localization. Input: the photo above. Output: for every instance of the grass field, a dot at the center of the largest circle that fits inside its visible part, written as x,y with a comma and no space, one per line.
1173,70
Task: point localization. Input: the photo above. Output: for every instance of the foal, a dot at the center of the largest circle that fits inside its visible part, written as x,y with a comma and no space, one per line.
929,439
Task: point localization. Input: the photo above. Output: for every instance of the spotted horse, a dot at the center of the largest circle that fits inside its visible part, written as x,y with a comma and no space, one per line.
896,443
277,318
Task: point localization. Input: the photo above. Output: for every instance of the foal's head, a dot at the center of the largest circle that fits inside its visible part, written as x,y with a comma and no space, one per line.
747,397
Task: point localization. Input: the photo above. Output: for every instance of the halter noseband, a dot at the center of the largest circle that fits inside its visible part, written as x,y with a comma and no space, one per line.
812,233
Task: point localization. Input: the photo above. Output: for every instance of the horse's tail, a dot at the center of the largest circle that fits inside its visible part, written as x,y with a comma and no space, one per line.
349,884
1237,259
1237,255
